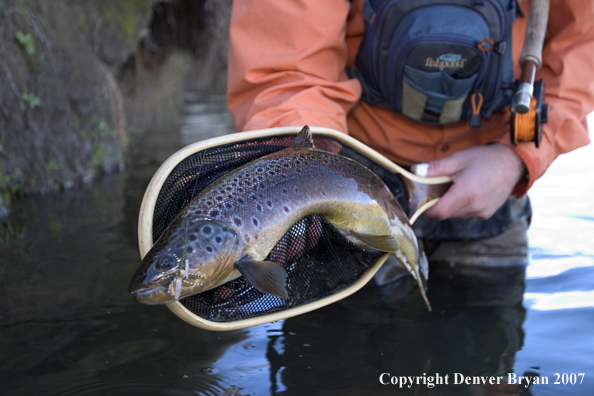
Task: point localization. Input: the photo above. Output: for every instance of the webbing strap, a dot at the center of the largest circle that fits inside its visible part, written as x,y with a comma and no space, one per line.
433,110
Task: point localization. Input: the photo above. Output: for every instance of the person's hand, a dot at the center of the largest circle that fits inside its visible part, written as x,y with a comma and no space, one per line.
483,178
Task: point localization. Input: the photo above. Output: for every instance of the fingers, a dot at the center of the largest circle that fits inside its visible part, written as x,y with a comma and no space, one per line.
447,166
462,204
452,204
483,178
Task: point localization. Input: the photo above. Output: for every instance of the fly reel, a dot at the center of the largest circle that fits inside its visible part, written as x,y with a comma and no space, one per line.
527,127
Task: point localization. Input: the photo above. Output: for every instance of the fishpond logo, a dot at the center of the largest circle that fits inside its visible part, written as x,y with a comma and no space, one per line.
446,61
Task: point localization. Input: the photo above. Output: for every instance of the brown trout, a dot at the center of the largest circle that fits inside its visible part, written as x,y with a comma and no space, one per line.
231,226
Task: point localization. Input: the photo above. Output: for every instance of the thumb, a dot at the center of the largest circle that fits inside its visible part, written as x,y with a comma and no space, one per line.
445,166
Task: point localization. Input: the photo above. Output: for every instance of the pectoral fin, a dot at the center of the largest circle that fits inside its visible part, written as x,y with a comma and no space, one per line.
266,276
404,254
387,243
384,243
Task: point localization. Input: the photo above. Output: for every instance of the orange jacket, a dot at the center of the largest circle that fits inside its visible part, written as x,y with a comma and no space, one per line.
287,63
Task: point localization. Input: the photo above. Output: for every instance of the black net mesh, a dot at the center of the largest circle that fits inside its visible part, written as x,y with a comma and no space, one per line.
318,259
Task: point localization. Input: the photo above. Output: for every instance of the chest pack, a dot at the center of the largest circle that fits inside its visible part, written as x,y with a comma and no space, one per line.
436,61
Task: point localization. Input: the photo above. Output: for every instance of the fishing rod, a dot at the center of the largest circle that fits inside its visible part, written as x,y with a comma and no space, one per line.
529,111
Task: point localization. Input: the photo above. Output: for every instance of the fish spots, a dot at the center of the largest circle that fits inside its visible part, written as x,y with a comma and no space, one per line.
214,213
237,221
255,222
269,204
240,201
285,191
296,190
218,239
228,205
219,198
192,237
190,250
209,249
323,193
206,230
260,208
286,209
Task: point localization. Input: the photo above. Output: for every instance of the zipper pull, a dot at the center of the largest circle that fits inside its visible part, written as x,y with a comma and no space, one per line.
476,100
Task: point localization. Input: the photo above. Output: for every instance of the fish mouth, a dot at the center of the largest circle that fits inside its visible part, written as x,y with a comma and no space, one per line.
144,294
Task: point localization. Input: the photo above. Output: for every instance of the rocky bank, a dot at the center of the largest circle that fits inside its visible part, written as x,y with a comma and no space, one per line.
80,80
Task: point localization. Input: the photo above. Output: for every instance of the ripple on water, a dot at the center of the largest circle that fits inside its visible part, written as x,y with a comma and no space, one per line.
547,267
561,300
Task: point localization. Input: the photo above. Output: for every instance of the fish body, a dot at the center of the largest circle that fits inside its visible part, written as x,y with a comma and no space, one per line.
231,226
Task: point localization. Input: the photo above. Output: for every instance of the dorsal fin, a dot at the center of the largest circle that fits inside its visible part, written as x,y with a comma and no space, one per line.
304,138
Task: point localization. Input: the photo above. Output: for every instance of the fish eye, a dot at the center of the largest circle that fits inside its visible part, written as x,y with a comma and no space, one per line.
165,263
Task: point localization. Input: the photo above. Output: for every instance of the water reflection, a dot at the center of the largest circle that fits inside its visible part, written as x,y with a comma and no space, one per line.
348,345
342,349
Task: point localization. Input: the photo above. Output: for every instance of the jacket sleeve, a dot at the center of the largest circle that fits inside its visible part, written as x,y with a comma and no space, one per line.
287,64
568,74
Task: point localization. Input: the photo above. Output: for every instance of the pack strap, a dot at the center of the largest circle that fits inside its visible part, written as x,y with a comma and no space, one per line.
368,12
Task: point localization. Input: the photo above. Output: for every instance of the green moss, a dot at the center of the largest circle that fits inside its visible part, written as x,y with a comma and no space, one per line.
104,130
26,41
55,226
32,100
128,15
8,186
52,165
99,155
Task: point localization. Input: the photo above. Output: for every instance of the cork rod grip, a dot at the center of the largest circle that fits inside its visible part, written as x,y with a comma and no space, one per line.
535,32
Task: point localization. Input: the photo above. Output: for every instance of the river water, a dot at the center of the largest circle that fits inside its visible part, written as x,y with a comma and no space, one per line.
69,327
